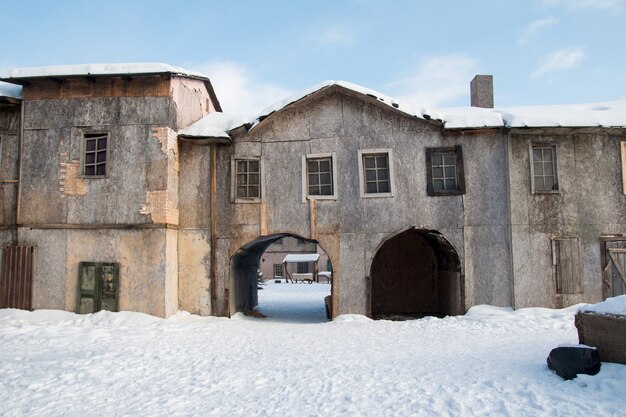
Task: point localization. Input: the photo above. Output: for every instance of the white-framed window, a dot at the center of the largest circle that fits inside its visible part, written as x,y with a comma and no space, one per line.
376,176
95,155
543,168
246,179
278,270
319,176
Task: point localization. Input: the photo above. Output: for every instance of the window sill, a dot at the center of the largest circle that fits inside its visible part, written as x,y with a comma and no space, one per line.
546,192
92,177
378,195
321,197
445,193
247,200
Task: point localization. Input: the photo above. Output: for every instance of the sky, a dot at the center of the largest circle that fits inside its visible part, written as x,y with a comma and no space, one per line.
424,53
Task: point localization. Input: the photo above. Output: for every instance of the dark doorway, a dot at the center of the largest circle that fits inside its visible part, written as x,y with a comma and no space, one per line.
416,273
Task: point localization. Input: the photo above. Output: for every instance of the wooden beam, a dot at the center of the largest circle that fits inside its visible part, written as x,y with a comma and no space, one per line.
213,209
313,218
623,149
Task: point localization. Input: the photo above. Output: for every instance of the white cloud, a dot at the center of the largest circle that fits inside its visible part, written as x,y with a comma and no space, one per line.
561,60
580,5
338,35
238,89
532,30
436,81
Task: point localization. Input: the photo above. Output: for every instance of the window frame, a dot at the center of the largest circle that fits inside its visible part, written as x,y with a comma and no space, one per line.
362,154
282,270
96,294
457,150
86,135
555,164
233,182
305,176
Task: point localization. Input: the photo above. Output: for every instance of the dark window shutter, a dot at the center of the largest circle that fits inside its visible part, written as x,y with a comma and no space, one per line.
429,173
459,169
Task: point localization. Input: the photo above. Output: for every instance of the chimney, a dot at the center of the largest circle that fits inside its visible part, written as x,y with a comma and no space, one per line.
481,91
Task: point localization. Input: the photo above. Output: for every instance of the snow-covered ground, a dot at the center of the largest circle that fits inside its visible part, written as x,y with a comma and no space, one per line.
491,361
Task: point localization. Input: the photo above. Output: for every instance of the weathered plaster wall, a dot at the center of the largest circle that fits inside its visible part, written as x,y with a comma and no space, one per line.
128,217
140,160
9,157
194,235
350,227
589,204
145,282
192,100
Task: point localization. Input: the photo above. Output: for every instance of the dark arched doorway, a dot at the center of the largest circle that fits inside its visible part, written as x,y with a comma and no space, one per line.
414,273
246,265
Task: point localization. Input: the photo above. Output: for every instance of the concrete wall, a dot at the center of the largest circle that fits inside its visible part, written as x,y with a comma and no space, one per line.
590,204
351,227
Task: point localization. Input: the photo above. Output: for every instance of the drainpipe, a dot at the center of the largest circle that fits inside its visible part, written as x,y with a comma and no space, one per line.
213,208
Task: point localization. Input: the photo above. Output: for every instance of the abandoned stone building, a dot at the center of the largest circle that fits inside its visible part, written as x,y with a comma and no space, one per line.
124,187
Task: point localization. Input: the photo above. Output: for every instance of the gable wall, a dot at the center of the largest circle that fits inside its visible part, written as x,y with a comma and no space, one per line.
351,227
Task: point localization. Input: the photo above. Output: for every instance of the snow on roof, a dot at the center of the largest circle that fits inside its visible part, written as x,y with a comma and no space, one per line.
465,117
99,69
345,84
614,305
10,90
606,114
214,125
301,257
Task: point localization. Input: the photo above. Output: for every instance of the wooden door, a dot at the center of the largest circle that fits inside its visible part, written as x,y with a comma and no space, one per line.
614,274
16,277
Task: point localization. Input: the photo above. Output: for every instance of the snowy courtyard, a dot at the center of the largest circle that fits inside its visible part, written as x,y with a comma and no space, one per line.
492,361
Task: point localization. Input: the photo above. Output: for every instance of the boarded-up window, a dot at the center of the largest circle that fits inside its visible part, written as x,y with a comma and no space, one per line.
16,277
98,284
566,265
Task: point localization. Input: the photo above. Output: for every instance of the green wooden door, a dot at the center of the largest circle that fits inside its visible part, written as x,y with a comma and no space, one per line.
98,284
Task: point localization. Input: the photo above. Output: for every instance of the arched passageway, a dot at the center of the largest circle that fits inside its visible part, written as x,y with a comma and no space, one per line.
415,273
246,265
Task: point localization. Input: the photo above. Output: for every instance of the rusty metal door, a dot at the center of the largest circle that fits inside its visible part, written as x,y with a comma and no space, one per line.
16,277
614,273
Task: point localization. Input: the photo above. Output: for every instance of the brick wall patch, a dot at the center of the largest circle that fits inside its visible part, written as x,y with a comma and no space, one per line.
69,181
160,207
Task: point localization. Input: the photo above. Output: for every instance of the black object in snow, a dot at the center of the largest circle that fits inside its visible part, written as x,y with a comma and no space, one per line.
569,361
